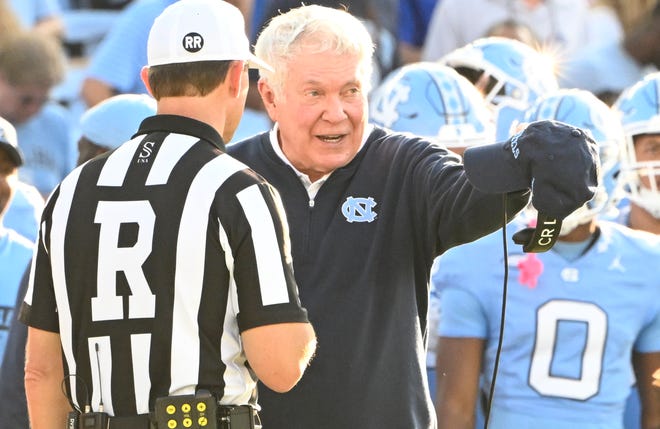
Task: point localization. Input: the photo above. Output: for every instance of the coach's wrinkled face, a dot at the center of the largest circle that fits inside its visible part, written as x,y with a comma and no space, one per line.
321,111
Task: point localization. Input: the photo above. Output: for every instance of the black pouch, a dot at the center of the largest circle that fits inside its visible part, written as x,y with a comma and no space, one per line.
236,417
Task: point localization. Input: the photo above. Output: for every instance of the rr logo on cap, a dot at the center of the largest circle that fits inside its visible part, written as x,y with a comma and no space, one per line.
193,42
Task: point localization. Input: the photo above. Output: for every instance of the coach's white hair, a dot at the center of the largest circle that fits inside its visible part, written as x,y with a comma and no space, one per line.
316,29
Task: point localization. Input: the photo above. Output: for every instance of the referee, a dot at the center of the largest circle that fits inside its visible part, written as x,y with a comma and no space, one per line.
163,267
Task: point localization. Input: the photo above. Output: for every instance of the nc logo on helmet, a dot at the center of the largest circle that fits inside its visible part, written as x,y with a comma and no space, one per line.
359,209
193,42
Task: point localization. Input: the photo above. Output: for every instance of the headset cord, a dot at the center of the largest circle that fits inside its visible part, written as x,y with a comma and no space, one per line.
503,312
68,398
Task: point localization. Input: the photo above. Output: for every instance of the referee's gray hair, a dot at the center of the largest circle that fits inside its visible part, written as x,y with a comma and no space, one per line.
320,28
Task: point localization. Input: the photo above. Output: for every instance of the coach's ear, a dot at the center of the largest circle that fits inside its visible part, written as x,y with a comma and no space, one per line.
144,75
268,96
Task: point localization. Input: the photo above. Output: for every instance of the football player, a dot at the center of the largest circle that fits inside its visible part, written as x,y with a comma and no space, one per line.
573,318
510,74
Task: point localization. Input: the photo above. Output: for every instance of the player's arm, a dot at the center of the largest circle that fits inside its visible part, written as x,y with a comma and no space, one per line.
458,365
279,353
94,91
645,365
47,405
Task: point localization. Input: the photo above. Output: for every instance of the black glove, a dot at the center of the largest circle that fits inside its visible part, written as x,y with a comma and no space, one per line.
557,161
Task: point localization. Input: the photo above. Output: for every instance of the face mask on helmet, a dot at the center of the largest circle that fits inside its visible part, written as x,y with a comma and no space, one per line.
511,74
639,110
432,100
584,110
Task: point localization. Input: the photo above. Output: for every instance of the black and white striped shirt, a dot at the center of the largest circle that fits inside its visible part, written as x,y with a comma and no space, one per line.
151,261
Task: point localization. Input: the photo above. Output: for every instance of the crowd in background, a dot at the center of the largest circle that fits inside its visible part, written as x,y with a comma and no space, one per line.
61,58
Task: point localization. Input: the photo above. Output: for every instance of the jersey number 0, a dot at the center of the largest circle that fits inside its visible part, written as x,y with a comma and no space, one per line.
540,375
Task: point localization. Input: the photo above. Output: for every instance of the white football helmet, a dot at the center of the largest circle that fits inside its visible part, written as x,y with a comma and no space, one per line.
639,110
584,110
432,100
513,75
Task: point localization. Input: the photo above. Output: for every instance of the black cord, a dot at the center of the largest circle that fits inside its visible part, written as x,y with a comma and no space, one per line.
503,312
68,398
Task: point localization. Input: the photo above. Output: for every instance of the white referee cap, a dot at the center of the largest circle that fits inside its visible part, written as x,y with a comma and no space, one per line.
9,142
200,30
114,120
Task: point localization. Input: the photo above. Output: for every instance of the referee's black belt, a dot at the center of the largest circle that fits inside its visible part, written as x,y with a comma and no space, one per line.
146,421
142,421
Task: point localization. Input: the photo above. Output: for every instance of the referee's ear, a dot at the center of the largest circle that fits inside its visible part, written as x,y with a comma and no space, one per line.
144,75
237,79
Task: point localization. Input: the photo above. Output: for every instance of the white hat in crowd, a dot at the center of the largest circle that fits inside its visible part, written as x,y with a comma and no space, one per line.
9,142
115,119
200,30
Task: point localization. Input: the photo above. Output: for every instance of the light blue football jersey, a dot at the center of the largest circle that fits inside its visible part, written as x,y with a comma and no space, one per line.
566,355
48,147
118,59
15,255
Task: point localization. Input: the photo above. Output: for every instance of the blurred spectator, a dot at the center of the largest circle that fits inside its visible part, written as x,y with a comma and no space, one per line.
25,207
512,29
111,122
24,212
628,12
256,18
13,407
30,66
604,25
15,250
15,255
413,19
558,24
96,4
43,16
115,66
607,69
86,22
